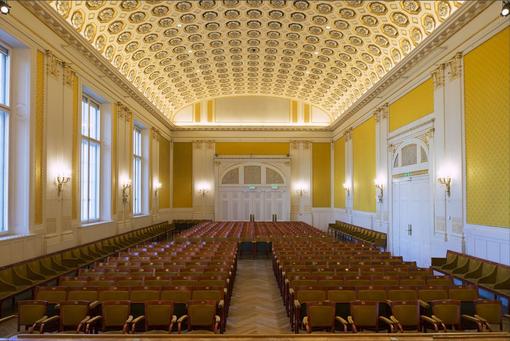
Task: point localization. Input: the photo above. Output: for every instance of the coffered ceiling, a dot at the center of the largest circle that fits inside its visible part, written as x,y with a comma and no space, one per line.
328,53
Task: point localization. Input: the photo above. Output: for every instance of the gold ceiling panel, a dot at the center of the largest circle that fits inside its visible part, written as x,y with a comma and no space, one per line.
328,53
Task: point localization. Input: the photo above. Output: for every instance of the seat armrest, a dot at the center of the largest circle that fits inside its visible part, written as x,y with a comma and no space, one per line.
45,322
217,321
125,327
94,304
6,318
82,323
430,321
423,304
353,325
35,325
391,324
135,321
179,323
91,322
474,319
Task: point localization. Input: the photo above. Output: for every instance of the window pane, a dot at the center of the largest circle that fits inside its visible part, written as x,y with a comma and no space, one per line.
3,79
90,161
84,174
85,117
94,121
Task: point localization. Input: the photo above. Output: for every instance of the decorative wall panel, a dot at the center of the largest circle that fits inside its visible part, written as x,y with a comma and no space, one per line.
363,151
487,124
321,175
413,105
183,175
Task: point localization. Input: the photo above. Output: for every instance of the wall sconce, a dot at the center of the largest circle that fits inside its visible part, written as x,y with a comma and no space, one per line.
157,187
60,181
347,188
447,182
203,188
379,185
126,186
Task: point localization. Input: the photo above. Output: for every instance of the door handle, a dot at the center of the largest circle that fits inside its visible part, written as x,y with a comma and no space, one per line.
410,229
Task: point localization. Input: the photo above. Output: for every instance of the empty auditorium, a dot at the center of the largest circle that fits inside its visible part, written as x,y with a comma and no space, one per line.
251,170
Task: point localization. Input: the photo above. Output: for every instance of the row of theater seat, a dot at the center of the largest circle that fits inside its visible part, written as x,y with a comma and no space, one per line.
24,276
483,273
348,232
314,300
99,299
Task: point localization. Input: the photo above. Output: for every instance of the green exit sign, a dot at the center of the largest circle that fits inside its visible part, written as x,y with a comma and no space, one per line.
251,188
274,186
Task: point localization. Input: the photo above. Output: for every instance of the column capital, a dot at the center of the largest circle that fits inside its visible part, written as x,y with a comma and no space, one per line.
348,134
455,66
69,74
438,76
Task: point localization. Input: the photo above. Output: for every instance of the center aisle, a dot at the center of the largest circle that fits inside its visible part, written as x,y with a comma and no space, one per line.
256,306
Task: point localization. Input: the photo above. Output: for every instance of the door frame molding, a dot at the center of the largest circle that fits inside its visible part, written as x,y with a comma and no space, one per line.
422,133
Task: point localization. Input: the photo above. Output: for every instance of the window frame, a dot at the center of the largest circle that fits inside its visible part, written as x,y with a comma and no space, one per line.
99,143
5,110
137,171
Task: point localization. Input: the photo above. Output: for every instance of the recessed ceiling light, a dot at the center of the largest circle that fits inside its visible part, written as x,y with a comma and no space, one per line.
316,52
179,25
328,27
506,8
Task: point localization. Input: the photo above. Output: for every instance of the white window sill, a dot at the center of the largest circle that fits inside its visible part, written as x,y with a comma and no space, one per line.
141,215
95,223
7,236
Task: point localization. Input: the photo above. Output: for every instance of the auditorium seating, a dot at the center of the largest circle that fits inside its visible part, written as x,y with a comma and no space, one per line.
370,290
185,286
483,273
27,275
189,271
352,233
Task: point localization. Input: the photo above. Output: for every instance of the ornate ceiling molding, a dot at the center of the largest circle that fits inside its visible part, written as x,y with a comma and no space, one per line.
454,23
44,12
328,53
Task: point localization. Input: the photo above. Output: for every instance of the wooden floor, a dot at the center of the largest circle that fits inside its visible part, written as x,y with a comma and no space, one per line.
256,306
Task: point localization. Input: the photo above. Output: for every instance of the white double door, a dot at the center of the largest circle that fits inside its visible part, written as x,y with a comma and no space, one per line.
412,219
238,204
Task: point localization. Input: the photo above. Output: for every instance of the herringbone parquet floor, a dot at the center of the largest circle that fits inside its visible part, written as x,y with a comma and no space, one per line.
256,306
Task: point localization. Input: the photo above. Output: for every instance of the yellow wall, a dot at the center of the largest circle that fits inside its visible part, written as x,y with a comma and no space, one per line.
415,104
339,176
164,172
363,158
321,175
487,124
183,175
252,148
